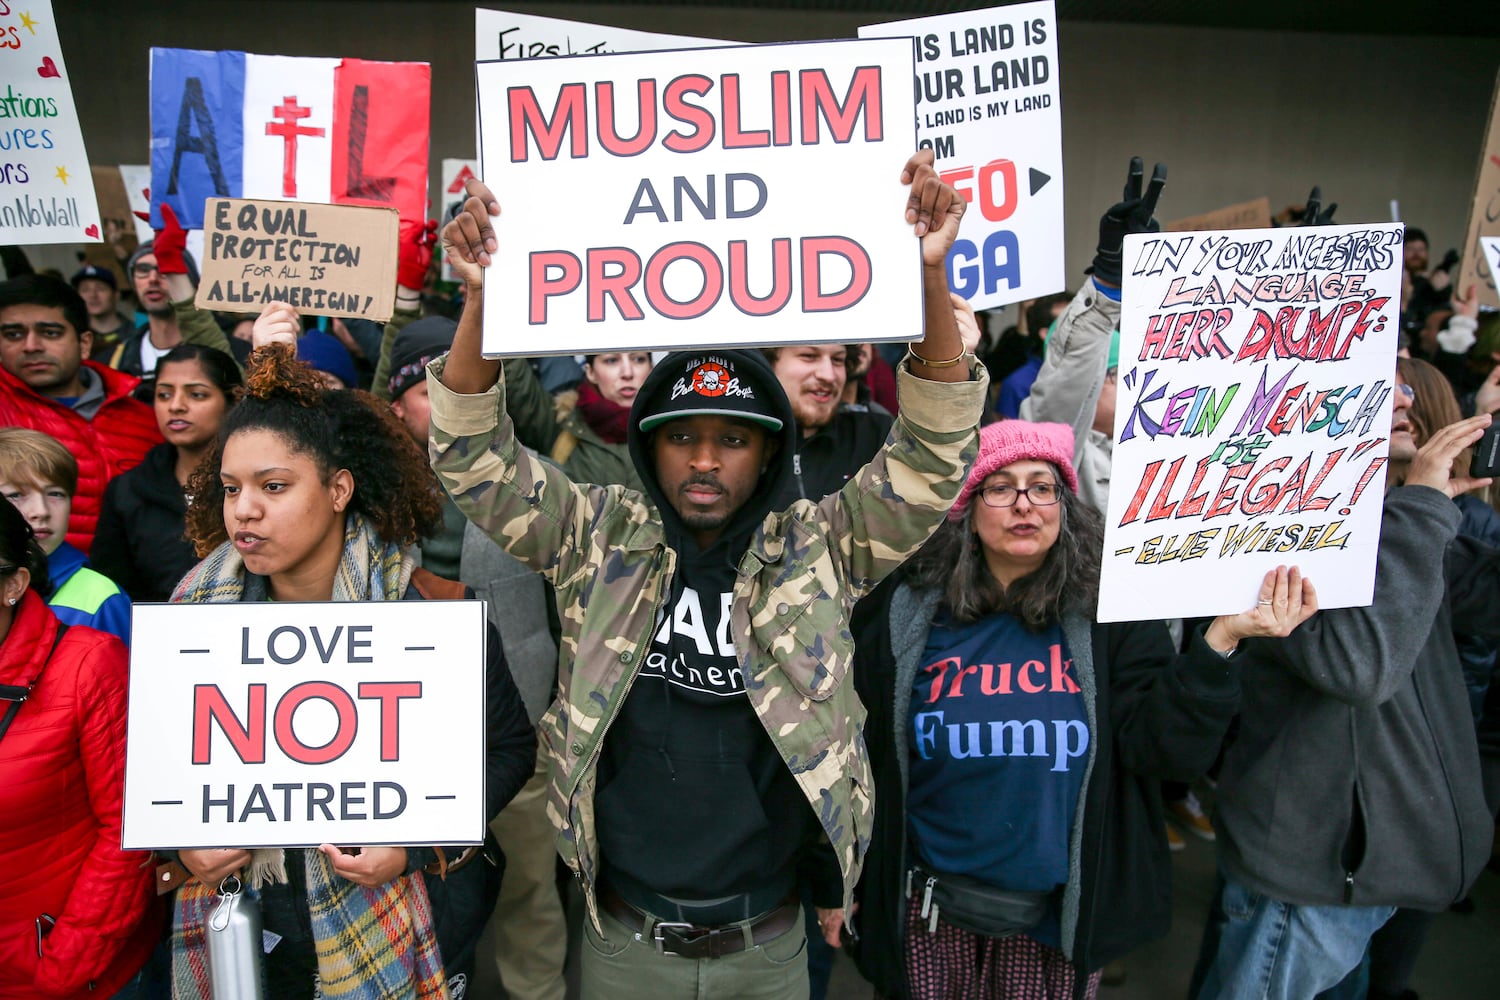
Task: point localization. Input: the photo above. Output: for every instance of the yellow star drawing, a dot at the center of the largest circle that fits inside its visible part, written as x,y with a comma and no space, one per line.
28,23
62,174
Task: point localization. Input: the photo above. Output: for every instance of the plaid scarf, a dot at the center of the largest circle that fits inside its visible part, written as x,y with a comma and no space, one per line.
372,944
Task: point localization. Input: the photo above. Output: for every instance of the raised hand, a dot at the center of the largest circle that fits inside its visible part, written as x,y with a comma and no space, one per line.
933,209
1134,213
1433,464
469,238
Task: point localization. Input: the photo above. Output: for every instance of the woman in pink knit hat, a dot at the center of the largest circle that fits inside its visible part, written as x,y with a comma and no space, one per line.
1018,745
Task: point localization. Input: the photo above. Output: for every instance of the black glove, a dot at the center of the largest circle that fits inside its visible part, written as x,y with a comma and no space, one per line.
1132,215
1315,214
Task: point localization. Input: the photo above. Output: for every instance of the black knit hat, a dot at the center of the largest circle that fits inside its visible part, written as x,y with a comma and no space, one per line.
417,344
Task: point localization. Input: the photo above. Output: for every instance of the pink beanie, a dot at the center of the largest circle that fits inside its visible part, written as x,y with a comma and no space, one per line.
1008,441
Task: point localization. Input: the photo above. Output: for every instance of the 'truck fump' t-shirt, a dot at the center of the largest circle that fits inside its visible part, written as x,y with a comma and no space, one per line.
999,741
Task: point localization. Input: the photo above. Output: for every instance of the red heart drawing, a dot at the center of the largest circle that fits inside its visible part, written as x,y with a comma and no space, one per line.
92,232
47,68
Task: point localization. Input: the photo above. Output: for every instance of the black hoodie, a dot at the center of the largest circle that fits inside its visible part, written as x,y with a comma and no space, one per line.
694,802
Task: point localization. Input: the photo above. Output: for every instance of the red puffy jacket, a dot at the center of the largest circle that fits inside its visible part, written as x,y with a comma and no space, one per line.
62,777
116,439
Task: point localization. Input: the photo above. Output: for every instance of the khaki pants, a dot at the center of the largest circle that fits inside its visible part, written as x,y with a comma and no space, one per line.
618,967
531,932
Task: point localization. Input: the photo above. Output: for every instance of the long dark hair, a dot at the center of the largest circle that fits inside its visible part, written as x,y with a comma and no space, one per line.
1068,580
339,429
18,547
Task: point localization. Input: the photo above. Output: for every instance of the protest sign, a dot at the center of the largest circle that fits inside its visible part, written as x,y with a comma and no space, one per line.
116,224
323,260
294,725
137,178
239,125
1490,246
989,106
500,34
456,174
1246,215
736,196
1484,216
46,187
1252,416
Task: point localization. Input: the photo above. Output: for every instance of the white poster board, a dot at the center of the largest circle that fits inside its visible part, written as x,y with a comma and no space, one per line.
48,194
989,106
294,725
1252,417
137,180
501,34
742,196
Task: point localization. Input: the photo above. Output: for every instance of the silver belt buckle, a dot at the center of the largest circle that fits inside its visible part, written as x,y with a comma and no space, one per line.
656,933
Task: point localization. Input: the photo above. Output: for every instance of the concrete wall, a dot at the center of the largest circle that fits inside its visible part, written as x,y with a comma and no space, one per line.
1235,114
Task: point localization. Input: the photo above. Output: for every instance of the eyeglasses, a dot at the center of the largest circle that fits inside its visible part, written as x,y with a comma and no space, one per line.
145,270
1407,391
1037,494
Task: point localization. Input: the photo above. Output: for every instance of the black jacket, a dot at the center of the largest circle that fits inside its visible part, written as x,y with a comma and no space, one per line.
1166,716
140,542
823,463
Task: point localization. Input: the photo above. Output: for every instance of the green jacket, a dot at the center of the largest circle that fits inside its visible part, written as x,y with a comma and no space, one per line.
588,458
797,582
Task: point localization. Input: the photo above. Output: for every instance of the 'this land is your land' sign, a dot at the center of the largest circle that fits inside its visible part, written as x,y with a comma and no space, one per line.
294,725
733,196
327,260
988,105
1252,418
46,188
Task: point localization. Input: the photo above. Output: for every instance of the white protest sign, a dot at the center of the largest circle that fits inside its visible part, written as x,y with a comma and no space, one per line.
1491,248
989,106
730,197
294,725
500,34
137,179
48,194
1252,416
456,174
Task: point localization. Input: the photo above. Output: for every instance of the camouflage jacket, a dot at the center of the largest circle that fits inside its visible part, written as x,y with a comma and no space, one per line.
604,550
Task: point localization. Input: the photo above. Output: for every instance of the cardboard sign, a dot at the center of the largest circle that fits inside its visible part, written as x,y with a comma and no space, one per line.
1484,217
46,187
989,106
500,34
1246,215
239,125
294,725
736,196
1252,417
323,260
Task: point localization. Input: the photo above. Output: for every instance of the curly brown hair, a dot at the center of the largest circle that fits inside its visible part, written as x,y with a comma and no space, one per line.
339,429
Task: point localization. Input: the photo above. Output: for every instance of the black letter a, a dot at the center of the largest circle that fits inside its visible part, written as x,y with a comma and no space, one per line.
204,143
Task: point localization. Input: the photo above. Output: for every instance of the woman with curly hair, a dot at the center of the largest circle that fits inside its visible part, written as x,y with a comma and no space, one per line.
1018,745
314,494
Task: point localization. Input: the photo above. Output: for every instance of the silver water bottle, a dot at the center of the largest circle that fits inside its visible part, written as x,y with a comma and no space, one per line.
234,944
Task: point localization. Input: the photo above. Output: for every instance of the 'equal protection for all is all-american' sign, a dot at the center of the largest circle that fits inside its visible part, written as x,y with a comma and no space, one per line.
734,196
294,725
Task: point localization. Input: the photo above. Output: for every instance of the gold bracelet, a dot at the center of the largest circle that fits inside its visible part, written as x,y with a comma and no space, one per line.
936,364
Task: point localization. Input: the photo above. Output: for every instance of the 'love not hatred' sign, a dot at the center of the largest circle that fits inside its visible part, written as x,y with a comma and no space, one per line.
734,196
46,187
1252,416
988,106
294,725
239,125
326,260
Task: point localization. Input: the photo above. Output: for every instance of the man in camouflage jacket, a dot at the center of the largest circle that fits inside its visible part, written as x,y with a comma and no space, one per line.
617,559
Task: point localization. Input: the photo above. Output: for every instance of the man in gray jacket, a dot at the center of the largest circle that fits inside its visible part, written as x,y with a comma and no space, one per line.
1354,787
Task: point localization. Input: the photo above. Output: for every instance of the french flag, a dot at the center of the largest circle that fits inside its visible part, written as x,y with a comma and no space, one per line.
239,125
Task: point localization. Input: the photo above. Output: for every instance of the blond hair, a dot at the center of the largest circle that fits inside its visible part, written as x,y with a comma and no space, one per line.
36,459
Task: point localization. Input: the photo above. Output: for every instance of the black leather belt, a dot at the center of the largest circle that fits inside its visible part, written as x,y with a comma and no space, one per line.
693,941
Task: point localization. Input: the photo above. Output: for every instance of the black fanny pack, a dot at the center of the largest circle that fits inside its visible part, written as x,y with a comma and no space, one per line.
970,905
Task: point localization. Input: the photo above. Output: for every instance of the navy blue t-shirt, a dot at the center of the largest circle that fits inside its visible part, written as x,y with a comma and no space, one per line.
999,742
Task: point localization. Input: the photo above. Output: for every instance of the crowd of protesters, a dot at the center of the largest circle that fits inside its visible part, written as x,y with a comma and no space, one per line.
805,614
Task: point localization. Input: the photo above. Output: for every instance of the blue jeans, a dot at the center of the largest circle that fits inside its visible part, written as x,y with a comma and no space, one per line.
1270,950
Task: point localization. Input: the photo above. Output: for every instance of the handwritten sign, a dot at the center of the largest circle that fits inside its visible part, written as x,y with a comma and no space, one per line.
323,260
1246,215
293,725
1484,216
500,34
46,187
989,106
736,196
1252,417
241,125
